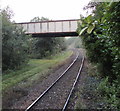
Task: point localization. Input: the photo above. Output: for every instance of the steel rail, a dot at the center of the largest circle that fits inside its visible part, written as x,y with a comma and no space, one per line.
67,101
34,102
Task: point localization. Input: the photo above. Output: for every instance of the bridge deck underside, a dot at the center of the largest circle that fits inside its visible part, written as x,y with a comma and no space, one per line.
58,34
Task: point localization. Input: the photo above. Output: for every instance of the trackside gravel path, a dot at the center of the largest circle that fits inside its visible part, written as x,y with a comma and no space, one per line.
55,98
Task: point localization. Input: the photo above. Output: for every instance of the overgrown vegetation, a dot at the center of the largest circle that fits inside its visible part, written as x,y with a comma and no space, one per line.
15,44
100,34
47,46
34,71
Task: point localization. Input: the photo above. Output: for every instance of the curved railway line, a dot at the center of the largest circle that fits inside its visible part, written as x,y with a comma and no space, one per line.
57,95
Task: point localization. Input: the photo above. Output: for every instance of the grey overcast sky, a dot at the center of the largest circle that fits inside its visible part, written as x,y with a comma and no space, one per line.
25,10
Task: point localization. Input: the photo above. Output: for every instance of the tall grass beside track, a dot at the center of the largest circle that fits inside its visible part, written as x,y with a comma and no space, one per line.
36,69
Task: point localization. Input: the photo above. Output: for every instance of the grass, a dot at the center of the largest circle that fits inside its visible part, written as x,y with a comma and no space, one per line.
36,68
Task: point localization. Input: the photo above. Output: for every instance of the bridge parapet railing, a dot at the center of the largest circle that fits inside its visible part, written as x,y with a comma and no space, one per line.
50,26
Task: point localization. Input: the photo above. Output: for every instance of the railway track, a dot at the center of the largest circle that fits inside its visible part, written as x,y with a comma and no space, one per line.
57,95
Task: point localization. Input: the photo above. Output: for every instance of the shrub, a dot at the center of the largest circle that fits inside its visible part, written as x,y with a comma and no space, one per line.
110,93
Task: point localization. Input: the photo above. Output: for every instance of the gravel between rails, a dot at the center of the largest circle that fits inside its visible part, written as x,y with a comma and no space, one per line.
57,95
75,95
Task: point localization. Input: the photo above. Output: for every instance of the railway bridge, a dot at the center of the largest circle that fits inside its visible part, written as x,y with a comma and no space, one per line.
52,28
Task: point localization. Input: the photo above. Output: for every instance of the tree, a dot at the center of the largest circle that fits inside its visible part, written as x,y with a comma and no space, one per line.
14,43
37,19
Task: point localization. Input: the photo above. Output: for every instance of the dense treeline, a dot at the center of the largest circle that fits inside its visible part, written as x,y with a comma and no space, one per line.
100,34
15,44
47,46
18,48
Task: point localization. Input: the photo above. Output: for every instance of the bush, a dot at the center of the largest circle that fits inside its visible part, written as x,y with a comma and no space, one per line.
110,93
100,34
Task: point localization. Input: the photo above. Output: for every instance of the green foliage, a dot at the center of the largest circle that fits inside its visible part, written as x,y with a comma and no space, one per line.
46,46
37,19
88,24
110,93
34,71
81,32
14,43
100,34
